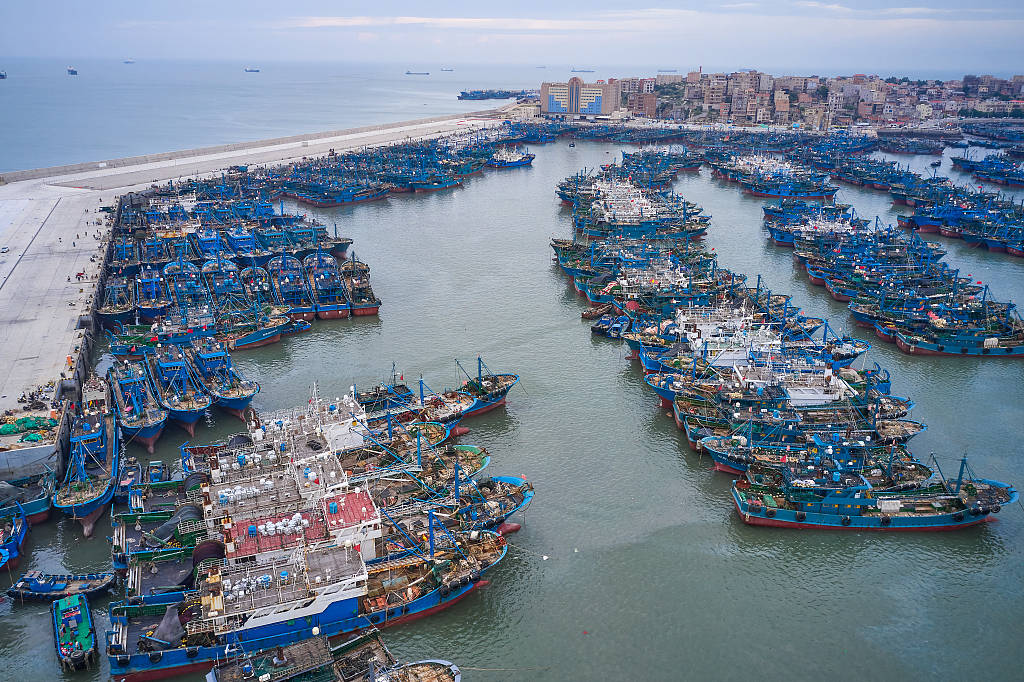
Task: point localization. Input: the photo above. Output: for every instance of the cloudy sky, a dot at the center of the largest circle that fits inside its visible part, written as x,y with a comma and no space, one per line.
930,35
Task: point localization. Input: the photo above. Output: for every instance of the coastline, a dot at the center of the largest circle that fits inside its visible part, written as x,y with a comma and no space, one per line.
51,224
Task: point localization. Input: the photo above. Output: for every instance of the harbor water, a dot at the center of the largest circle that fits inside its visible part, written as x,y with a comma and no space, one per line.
631,563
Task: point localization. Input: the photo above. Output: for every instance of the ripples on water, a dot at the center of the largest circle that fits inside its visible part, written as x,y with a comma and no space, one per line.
644,551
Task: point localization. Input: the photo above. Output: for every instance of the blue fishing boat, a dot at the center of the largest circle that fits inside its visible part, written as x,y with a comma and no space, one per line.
129,475
619,326
327,285
32,494
151,297
488,390
216,374
291,288
510,158
435,183
176,387
94,462
39,586
603,324
790,498
118,304
139,414
74,636
13,532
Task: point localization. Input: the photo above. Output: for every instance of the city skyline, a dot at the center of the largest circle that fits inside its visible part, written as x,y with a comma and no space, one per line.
938,36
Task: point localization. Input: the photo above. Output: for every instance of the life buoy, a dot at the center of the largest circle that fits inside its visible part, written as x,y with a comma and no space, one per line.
845,521
800,516
155,656
769,513
996,508
192,651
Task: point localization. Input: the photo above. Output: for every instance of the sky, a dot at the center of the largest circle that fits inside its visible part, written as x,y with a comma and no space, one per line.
799,36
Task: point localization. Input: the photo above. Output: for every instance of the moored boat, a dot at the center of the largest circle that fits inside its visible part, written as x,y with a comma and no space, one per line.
32,494
39,586
74,635
91,477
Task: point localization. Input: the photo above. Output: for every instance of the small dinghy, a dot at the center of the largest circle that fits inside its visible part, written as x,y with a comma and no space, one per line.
594,313
73,633
36,585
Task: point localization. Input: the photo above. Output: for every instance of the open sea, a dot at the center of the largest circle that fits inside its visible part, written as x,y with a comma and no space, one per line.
631,563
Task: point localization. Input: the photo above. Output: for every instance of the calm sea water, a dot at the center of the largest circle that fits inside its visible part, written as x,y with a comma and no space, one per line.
631,563
111,109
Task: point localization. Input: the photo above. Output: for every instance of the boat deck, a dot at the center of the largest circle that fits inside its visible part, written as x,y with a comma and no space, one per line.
243,588
298,658
153,577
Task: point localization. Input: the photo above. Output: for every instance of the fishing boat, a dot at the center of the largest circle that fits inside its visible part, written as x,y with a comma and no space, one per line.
510,158
177,389
72,71
794,498
251,69
435,183
32,494
118,305
93,466
129,475
488,390
392,393
356,281
151,297
361,658
327,285
39,586
291,288
139,414
219,378
74,635
417,73
13,532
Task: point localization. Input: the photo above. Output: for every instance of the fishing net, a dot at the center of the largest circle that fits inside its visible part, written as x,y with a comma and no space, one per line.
27,424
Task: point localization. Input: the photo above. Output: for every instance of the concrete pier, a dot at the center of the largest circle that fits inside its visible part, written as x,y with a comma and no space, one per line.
53,239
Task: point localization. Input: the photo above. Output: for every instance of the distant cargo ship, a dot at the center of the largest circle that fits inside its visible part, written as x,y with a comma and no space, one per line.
72,71
249,69
666,70
417,73
581,71
447,69
3,75
129,61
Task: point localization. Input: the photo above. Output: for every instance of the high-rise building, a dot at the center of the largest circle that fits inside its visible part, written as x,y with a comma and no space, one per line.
577,98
